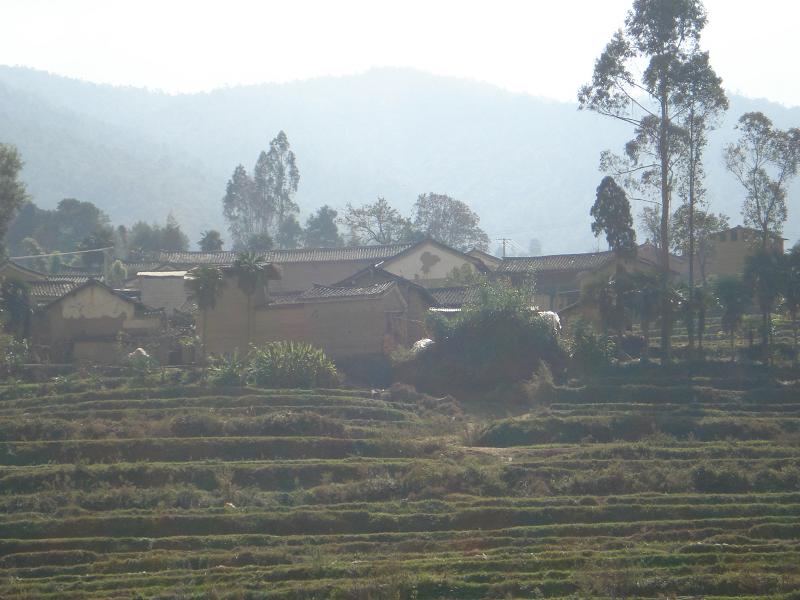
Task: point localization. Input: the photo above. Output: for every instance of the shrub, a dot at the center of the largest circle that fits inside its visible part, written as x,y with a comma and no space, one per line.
496,340
227,371
291,365
590,352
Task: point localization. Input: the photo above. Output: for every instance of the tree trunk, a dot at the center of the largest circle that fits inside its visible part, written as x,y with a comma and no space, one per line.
765,335
666,308
203,345
249,322
690,321
646,334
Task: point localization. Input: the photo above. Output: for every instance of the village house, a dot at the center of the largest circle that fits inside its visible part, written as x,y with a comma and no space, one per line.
94,323
559,278
347,322
427,263
42,287
730,249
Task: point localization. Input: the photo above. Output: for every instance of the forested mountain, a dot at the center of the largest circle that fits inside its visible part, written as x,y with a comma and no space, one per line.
528,166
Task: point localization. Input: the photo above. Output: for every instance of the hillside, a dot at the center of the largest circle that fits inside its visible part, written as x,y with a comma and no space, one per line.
147,490
527,165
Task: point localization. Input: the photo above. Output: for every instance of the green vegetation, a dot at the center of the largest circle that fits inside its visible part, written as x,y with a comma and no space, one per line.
675,486
496,340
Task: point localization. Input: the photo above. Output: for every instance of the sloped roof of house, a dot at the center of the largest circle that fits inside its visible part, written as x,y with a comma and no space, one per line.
10,265
454,297
94,282
555,262
429,240
54,287
325,292
227,257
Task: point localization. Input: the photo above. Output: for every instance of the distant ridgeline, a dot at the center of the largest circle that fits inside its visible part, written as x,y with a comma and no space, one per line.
140,155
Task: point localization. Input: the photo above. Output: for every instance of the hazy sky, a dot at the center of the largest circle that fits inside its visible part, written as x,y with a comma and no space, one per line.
545,48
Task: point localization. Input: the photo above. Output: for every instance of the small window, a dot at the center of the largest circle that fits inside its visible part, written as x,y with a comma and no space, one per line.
722,237
734,235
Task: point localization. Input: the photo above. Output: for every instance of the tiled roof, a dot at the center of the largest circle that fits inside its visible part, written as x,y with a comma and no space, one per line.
135,267
227,257
454,297
324,292
555,262
52,288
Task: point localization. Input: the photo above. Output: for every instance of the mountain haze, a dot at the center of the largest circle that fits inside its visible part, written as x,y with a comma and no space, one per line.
526,165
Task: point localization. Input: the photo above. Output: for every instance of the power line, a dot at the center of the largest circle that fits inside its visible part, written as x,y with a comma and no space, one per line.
62,253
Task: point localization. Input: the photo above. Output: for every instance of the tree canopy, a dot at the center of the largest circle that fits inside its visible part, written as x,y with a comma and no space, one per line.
377,223
764,160
264,203
322,230
640,79
449,221
210,241
12,190
612,216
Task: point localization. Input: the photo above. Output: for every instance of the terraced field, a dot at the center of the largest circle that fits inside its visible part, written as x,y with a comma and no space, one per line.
610,490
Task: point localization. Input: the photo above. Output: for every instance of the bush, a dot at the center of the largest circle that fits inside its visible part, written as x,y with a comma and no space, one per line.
291,365
590,352
497,340
227,371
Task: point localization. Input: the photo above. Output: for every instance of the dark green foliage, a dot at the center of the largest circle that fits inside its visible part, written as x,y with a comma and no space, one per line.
764,275
15,308
733,296
204,286
58,230
12,190
290,233
321,229
612,216
590,352
291,365
497,340
101,240
152,238
210,241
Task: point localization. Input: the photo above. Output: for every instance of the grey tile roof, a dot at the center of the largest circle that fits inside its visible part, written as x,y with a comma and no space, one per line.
50,289
555,262
324,292
227,257
454,297
54,287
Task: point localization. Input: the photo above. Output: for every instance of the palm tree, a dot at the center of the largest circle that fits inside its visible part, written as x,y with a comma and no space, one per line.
249,271
733,296
205,285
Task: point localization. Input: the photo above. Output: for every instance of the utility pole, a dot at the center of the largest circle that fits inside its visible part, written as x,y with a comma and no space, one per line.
504,241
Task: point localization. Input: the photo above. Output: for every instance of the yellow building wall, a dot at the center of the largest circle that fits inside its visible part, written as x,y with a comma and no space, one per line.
729,255
343,328
428,265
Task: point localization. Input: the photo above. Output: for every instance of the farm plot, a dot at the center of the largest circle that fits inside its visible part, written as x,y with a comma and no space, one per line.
607,491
